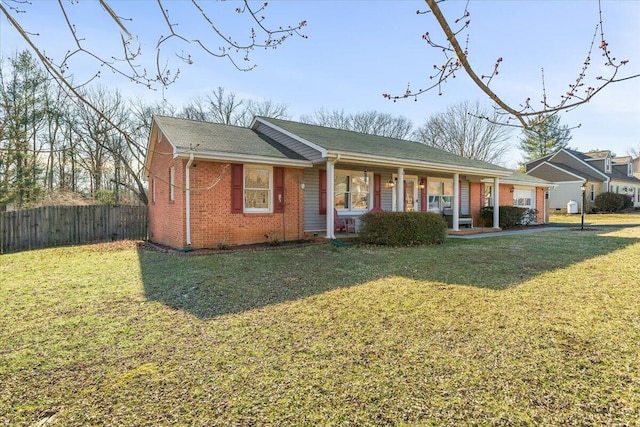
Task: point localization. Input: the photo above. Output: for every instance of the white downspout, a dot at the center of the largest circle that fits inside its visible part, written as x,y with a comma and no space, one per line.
187,178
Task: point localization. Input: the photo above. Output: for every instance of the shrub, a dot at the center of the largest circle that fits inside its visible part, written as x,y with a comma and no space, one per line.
612,202
402,228
509,216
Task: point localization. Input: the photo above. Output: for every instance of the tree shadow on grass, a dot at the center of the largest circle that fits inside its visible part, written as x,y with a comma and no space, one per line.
212,285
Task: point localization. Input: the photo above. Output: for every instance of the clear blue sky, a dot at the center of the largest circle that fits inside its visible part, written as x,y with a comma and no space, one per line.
357,50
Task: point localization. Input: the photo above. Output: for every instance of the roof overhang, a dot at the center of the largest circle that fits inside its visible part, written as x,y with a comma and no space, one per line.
391,162
242,158
522,183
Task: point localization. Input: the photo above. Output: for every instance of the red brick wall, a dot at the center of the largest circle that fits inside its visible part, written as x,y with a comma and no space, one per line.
212,223
540,205
166,218
506,198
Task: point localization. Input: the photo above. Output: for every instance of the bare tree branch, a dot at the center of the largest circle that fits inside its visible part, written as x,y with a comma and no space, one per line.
456,58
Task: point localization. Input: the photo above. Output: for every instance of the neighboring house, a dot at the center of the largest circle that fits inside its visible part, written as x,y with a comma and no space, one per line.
213,185
598,171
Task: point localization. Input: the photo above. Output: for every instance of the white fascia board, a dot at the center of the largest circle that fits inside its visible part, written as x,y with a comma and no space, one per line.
580,160
256,120
528,184
523,184
241,158
366,159
558,168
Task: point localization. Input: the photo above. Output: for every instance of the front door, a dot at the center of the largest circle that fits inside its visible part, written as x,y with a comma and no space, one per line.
409,195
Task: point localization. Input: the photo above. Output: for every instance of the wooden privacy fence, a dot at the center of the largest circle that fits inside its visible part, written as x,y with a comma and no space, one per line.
65,225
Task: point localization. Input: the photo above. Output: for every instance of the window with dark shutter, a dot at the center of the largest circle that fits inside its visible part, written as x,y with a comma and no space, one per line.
278,190
377,191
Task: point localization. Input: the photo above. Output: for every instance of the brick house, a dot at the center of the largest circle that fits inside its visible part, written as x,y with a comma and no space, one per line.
597,171
212,185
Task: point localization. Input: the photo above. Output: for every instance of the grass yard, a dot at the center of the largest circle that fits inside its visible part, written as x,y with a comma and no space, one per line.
594,220
540,329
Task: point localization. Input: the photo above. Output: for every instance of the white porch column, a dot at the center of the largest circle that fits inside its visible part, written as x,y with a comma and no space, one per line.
330,199
496,202
400,191
456,202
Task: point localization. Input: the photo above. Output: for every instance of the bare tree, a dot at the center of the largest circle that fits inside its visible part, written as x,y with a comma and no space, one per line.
265,108
461,130
524,115
220,106
129,63
369,122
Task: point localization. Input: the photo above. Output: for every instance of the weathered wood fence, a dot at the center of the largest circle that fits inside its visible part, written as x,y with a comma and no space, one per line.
65,225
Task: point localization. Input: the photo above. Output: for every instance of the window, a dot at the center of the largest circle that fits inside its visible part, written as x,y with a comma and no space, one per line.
629,169
488,195
172,183
257,188
523,198
607,165
592,193
439,194
351,190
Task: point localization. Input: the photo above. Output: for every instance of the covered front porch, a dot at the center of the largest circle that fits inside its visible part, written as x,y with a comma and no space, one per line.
347,190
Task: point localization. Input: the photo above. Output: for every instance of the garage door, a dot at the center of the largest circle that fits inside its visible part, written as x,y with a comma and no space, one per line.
524,198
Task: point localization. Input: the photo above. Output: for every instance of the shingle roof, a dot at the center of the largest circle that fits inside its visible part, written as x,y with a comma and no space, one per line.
202,137
338,140
518,177
595,154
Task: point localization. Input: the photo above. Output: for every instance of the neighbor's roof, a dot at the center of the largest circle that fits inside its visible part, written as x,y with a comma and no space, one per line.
344,141
202,138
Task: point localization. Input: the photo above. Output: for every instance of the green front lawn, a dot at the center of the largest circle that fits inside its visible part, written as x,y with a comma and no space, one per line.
540,329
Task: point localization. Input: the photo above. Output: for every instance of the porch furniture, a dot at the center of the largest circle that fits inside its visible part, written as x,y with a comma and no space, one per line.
343,224
462,219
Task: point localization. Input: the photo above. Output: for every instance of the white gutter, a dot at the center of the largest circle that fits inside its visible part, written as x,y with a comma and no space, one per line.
187,178
243,158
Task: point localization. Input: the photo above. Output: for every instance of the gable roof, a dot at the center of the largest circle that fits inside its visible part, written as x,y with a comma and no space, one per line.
367,147
593,174
206,140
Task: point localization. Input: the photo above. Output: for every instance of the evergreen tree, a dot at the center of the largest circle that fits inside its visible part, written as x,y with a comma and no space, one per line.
22,110
546,137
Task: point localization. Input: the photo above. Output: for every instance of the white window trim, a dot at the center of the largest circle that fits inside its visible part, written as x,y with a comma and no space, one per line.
607,165
441,194
518,189
269,209
351,174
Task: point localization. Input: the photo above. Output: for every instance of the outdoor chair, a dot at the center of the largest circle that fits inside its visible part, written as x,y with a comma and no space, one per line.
342,224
